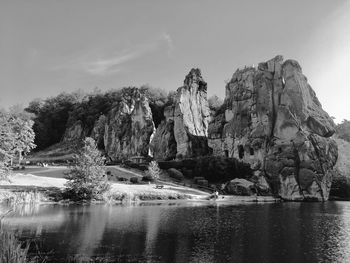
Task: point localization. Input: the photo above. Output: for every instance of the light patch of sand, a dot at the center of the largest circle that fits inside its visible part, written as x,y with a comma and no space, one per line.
33,180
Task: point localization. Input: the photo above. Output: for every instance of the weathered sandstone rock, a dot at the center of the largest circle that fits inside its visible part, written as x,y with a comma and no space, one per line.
129,126
98,131
74,133
163,145
185,127
274,122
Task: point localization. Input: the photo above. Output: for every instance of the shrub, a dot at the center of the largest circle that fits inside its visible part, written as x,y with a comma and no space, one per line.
134,180
340,186
203,182
197,178
148,178
122,179
176,174
86,179
216,169
4,172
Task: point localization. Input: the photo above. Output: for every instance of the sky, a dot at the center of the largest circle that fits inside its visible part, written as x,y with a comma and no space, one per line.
51,46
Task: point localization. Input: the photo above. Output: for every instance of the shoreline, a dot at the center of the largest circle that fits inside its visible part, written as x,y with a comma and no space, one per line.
28,188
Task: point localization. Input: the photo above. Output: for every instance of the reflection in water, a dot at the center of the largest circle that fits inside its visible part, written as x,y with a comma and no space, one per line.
289,232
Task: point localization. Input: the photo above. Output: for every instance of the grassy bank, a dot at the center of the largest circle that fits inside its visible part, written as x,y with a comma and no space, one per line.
28,188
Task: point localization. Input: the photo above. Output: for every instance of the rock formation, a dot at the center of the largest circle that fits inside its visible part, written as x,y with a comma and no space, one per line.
129,126
163,144
186,122
191,116
74,133
274,122
98,131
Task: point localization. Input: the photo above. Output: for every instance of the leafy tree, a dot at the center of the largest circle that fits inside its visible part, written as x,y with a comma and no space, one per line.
153,170
215,102
343,130
16,135
51,116
5,146
86,178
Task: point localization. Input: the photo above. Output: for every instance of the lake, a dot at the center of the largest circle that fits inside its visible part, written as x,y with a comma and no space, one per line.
188,232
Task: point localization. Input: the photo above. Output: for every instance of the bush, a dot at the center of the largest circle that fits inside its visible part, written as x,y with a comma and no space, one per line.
4,172
134,180
176,174
148,178
203,182
122,179
197,178
340,187
341,181
216,169
86,179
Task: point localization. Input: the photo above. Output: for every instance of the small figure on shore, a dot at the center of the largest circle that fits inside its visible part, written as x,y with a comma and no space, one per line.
214,195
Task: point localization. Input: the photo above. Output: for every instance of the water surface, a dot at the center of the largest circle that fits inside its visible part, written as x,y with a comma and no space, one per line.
191,232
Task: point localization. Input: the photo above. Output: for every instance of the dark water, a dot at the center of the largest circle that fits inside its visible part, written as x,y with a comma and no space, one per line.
288,232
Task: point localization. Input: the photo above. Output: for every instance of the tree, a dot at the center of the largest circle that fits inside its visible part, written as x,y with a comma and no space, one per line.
23,136
153,170
87,178
51,116
215,102
16,135
343,130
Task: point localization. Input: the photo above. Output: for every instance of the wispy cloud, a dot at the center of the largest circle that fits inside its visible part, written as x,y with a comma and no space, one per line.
110,64
95,64
167,38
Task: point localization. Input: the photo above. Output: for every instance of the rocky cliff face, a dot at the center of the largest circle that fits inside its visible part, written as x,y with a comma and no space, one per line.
129,126
184,131
74,133
191,116
163,143
274,122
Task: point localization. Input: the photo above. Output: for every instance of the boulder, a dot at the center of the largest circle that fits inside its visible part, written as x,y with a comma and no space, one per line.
240,187
274,122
